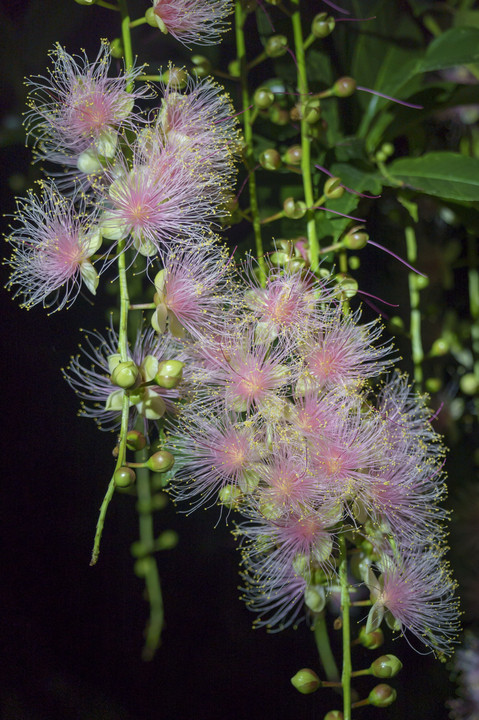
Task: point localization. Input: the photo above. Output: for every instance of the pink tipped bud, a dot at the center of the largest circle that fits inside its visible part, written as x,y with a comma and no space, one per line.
382,695
344,87
306,681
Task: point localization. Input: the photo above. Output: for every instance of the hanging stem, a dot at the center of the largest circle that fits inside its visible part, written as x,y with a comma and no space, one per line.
415,322
303,90
345,605
240,17
324,647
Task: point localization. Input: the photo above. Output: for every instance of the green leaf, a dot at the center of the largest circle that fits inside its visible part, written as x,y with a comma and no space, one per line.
457,46
443,174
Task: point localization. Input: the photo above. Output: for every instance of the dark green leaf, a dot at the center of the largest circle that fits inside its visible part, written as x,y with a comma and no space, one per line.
457,46
444,174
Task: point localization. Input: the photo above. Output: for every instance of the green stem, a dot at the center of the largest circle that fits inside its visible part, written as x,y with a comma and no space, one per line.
136,23
324,648
152,577
302,82
345,605
240,17
473,282
415,322
126,35
109,6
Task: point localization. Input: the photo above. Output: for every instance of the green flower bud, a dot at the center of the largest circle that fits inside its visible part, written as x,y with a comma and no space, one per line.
158,502
154,20
386,666
433,384
234,68
296,113
344,87
397,322
293,155
333,188
135,440
124,477
306,681
354,262
170,374
356,239
125,374
263,98
311,111
421,282
469,384
276,46
142,567
371,640
347,285
161,461
85,2
381,156
388,149
178,77
322,25
294,209
439,347
278,115
167,540
138,549
229,495
116,48
315,598
334,715
270,159
201,66
382,695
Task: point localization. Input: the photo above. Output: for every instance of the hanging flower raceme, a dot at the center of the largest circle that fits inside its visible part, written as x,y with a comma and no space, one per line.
53,249
199,22
77,112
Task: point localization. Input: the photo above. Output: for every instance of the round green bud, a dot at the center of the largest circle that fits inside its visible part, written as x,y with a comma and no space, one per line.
439,347
311,111
263,98
433,384
138,549
344,87
125,374
296,113
381,156
306,681
201,66
167,540
386,666
382,695
388,149
397,322
371,640
333,188
334,715
270,159
293,155
124,477
294,209
85,2
142,566
135,440
469,384
175,76
322,25
276,46
161,461
229,495
170,374
278,115
354,262
421,282
348,286
234,68
116,48
355,240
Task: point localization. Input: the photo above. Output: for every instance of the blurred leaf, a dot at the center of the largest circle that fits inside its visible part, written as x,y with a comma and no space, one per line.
443,174
457,46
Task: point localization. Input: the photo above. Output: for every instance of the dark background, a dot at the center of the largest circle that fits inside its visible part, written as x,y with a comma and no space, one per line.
72,635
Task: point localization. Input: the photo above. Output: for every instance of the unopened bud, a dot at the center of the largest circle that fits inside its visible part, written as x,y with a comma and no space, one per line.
125,374
344,87
311,111
469,384
356,239
334,715
175,76
306,681
293,155
348,286
135,440
278,115
167,540
161,461
270,159
371,640
263,98
85,2
439,347
229,495
386,666
322,25
170,374
382,695
276,46
201,65
333,188
234,68
433,384
124,477
294,209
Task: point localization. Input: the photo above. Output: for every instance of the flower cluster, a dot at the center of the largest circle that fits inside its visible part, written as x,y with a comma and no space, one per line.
146,185
466,707
284,425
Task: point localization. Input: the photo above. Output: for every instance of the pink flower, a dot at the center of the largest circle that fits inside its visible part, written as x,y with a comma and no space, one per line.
417,590
90,377
51,259
76,113
192,21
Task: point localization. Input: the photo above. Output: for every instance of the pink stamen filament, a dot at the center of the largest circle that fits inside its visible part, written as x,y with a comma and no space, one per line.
389,252
336,212
388,97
